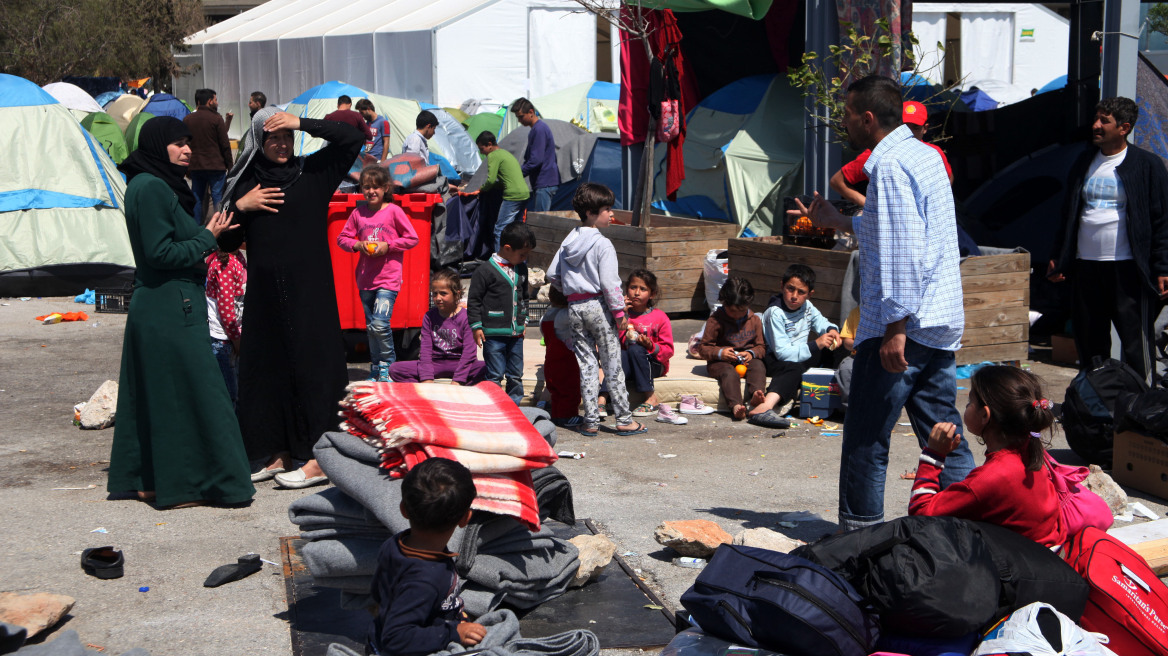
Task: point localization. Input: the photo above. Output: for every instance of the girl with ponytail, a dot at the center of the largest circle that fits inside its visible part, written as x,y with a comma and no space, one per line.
1009,413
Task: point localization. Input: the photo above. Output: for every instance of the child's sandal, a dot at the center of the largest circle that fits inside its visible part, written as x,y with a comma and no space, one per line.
644,410
589,430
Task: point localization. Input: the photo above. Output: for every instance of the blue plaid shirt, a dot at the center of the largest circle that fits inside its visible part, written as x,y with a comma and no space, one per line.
908,245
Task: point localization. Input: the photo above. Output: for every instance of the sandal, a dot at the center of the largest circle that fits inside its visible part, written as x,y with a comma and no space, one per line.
641,428
644,410
590,430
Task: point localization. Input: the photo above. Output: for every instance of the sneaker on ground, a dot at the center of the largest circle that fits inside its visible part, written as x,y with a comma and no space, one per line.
666,415
692,405
644,410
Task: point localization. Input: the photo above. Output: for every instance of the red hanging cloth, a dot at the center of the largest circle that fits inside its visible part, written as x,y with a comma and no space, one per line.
633,116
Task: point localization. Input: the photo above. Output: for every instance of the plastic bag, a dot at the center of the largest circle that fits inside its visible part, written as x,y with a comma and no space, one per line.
716,271
1025,631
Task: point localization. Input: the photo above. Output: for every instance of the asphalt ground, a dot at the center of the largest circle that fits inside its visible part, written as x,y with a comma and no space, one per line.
732,473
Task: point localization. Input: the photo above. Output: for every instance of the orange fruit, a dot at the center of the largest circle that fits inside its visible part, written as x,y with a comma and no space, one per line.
741,369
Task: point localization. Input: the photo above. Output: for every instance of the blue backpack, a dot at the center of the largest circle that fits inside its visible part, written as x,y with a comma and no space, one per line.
783,603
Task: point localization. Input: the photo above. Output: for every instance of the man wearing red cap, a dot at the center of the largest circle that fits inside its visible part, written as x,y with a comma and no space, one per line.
846,180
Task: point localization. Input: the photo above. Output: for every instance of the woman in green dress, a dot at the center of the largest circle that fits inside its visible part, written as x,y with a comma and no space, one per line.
176,438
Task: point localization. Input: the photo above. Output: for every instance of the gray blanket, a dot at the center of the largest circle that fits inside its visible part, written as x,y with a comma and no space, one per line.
499,559
503,639
68,643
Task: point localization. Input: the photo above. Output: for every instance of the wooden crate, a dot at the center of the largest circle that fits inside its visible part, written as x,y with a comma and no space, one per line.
763,260
996,291
673,248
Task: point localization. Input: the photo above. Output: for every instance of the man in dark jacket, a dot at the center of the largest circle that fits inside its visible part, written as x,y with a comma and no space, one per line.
1114,242
210,149
539,161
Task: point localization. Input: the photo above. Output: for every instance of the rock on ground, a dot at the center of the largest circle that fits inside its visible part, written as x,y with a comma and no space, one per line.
1101,484
536,278
692,537
764,538
35,612
595,554
99,409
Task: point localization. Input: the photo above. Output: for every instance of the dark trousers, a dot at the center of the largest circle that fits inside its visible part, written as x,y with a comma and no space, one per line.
640,368
731,383
1114,292
786,377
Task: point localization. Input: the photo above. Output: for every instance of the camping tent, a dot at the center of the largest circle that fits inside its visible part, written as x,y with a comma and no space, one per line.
123,109
61,216
453,141
164,104
590,105
105,130
74,98
134,128
573,146
743,153
436,51
107,97
485,122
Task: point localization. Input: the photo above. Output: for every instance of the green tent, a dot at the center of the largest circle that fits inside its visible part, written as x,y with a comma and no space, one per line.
103,128
458,114
134,128
480,123
743,153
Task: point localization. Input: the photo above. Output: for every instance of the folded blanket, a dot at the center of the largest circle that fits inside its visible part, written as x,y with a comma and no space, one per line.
348,557
477,418
477,426
503,639
553,494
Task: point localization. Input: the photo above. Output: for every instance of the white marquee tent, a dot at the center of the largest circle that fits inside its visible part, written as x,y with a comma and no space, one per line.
434,51
1024,45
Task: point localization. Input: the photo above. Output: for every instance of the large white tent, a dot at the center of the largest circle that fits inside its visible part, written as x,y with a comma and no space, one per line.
434,51
1024,45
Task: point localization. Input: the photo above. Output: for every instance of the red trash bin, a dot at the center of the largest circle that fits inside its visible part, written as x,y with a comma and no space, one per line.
414,298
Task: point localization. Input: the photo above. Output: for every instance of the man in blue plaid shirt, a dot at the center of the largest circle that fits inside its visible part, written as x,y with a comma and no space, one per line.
911,316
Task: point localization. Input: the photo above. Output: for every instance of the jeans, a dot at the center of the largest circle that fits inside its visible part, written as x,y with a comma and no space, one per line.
200,180
541,200
640,367
508,212
228,361
927,390
504,356
378,304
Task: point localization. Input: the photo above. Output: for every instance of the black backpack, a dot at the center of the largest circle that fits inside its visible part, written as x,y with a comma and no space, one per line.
1088,412
774,601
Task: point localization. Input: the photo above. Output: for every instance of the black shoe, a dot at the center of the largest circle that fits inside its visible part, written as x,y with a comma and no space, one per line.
103,562
769,419
247,565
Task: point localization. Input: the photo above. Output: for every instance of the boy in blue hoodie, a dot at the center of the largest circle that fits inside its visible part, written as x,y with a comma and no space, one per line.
787,324
585,270
415,584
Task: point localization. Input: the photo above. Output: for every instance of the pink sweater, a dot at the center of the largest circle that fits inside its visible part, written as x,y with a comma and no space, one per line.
656,325
390,225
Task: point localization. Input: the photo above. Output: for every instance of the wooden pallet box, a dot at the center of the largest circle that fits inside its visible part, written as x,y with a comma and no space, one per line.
996,291
673,248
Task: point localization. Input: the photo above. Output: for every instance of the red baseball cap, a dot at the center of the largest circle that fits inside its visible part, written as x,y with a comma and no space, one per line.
914,112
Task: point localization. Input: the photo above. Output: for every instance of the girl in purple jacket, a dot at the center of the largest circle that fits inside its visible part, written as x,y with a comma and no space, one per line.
448,345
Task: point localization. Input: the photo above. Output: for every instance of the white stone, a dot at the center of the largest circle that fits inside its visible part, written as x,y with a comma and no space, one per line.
99,409
764,538
595,554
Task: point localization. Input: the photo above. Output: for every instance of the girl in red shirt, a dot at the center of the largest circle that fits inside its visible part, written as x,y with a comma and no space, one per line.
1012,489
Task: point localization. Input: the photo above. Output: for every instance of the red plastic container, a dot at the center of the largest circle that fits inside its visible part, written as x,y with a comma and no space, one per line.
414,298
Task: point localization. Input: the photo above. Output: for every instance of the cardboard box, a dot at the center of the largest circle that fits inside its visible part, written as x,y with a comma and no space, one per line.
1062,349
1141,462
820,395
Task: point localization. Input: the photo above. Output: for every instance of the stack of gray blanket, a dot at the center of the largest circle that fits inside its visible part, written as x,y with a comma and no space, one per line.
499,559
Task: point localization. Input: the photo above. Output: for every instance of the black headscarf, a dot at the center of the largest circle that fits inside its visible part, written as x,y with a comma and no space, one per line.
271,174
152,157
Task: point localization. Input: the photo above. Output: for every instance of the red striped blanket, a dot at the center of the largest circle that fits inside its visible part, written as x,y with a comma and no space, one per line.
477,426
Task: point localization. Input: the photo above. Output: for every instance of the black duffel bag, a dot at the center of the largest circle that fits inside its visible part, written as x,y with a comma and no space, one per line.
947,577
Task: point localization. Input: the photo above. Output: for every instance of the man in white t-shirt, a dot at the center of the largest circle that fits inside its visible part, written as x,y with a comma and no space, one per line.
1114,243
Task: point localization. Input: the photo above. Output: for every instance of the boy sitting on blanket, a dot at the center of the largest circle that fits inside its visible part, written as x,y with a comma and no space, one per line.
415,584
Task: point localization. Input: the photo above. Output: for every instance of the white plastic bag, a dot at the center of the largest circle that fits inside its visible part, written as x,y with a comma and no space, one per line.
1019,633
716,271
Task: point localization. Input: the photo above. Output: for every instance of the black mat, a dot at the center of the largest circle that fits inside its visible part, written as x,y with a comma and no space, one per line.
613,606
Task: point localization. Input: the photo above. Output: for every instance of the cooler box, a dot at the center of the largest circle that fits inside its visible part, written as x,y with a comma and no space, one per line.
820,395
414,298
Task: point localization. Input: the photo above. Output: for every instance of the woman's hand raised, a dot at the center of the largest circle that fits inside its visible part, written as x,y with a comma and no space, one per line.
221,222
282,121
